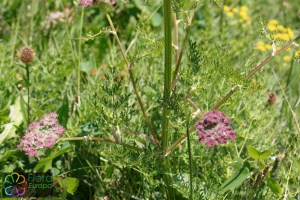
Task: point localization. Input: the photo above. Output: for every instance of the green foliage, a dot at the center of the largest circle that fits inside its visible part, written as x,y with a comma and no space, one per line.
263,162
236,180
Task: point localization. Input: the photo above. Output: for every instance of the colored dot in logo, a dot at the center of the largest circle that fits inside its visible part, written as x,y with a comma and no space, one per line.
15,185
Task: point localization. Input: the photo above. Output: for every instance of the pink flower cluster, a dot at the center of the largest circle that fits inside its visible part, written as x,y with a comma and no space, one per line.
215,128
41,135
88,3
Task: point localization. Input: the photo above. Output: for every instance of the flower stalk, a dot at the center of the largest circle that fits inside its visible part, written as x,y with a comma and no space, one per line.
168,70
26,55
190,153
28,91
167,92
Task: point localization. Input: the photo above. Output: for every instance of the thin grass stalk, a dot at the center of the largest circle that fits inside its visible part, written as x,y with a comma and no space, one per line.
190,155
79,60
187,31
28,92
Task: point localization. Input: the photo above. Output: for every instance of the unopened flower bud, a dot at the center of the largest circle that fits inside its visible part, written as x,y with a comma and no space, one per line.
26,55
271,98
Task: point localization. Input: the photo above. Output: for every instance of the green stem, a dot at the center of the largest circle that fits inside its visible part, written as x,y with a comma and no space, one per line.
222,18
168,69
28,92
167,91
190,154
79,59
187,31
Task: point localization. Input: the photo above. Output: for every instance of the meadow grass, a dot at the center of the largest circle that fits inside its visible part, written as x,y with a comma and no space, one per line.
129,113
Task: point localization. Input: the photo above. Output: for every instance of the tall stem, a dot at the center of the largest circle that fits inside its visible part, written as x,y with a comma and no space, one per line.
167,91
128,64
28,92
79,59
190,154
168,70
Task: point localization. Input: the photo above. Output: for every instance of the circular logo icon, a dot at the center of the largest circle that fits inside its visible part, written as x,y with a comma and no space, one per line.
15,185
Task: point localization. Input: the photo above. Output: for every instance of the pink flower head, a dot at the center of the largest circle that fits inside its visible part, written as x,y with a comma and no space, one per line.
215,128
89,3
41,135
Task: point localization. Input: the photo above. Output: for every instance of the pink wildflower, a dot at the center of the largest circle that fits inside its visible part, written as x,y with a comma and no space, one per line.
41,135
215,128
88,3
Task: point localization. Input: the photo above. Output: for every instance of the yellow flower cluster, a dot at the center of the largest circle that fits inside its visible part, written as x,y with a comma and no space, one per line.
242,13
282,33
261,46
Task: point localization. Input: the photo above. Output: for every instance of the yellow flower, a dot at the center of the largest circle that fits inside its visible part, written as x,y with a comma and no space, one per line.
271,27
281,28
290,32
273,22
261,46
268,47
244,15
244,8
230,14
282,36
287,58
225,8
297,54
235,10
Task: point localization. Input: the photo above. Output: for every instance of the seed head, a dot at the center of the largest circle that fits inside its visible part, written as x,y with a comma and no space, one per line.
215,128
271,98
26,54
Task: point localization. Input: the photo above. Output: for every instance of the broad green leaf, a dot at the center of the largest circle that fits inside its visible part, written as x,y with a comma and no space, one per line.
23,104
71,184
264,155
63,112
252,152
46,163
274,186
237,163
236,180
16,119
